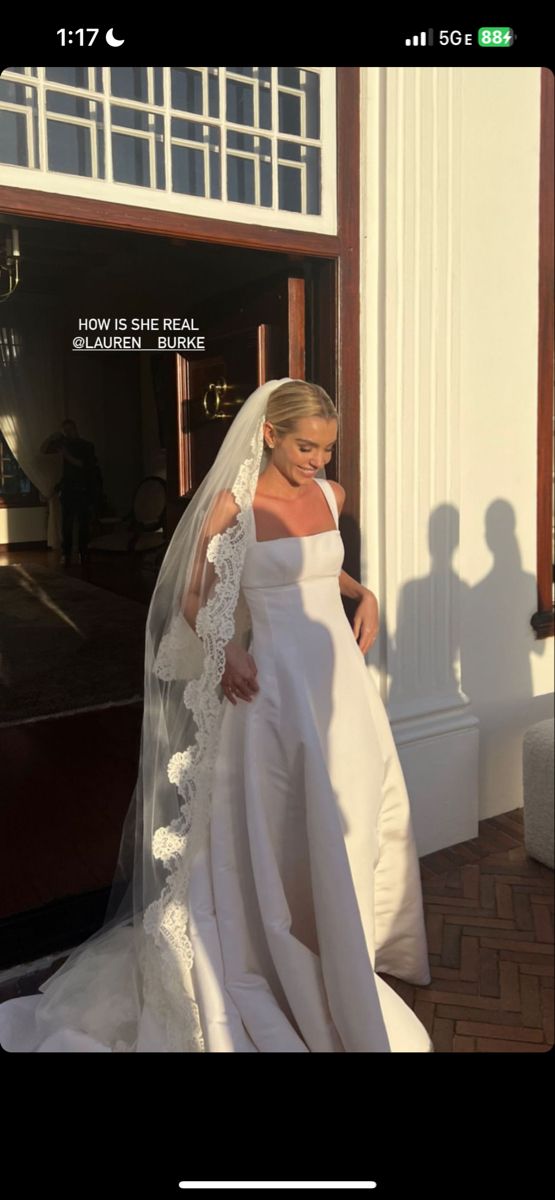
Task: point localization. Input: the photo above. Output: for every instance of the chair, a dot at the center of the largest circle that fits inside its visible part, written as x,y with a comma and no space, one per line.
141,530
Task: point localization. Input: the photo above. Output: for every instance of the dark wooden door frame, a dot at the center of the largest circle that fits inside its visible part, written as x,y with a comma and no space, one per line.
542,621
336,340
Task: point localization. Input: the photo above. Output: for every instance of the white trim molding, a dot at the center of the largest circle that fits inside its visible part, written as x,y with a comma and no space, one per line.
410,440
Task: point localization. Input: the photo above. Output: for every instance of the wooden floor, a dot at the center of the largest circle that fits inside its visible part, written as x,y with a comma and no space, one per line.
68,781
489,916
67,785
489,920
117,573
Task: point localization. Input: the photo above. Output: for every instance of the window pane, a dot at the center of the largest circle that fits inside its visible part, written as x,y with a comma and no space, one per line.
130,160
188,170
289,183
251,170
265,107
214,141
186,86
13,482
158,85
240,107
71,76
240,179
12,93
312,105
289,113
69,148
213,95
313,180
129,82
130,118
289,76
72,106
191,131
13,139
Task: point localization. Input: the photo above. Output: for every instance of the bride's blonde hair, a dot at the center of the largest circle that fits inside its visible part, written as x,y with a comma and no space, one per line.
294,400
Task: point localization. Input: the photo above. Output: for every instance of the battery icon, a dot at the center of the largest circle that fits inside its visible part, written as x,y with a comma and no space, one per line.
425,38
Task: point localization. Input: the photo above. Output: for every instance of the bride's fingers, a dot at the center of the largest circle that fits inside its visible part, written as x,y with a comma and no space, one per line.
242,690
247,688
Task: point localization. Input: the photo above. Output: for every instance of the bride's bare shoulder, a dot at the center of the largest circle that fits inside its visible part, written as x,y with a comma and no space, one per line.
339,491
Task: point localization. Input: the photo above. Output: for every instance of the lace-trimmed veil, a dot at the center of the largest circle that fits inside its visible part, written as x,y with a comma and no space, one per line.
132,984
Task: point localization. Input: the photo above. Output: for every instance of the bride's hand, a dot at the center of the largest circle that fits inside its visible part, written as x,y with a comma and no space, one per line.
239,677
366,621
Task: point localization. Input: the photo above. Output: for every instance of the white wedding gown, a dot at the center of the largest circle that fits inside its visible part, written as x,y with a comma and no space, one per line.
309,882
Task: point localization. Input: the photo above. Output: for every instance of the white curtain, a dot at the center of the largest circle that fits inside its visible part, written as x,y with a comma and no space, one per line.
31,404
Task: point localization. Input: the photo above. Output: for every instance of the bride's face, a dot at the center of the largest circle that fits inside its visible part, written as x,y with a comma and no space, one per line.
302,452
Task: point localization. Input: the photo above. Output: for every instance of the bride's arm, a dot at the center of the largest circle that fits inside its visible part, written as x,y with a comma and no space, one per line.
203,575
366,619
239,677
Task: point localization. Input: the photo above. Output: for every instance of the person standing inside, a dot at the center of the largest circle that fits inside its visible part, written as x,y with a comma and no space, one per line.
79,486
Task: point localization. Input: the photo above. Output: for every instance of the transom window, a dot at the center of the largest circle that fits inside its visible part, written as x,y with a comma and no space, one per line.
190,139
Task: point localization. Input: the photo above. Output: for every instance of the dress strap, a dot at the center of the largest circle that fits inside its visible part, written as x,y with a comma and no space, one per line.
330,497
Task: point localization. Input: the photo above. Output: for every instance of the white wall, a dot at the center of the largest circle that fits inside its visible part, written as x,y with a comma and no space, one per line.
449,322
507,672
22,525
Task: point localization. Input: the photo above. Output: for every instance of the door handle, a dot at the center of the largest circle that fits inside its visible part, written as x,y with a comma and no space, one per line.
215,403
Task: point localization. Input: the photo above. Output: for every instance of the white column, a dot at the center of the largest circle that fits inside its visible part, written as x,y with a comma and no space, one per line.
410,440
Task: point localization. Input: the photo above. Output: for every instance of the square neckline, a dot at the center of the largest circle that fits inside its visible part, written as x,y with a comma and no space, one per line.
301,537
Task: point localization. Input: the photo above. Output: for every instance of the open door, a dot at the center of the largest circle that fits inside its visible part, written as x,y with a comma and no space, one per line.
254,333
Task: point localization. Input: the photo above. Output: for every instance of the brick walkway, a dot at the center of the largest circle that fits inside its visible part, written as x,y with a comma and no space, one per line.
489,920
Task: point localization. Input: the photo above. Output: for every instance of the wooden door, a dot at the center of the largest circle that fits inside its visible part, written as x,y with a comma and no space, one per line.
252,334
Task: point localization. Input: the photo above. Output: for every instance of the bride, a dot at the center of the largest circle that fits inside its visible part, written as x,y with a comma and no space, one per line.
268,854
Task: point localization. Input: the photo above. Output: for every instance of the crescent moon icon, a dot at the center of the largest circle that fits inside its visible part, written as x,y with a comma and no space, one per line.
111,40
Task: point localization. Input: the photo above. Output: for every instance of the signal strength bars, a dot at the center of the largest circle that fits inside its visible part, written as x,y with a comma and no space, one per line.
421,39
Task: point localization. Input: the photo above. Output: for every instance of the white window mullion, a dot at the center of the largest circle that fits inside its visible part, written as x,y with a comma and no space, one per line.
43,132
32,148
257,163
106,100
167,89
274,136
151,135
223,134
257,137
256,99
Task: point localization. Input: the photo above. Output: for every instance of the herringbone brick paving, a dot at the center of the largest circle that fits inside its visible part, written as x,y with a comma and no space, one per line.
489,920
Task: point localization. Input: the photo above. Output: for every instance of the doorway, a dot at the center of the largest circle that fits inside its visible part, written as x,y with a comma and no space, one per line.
263,314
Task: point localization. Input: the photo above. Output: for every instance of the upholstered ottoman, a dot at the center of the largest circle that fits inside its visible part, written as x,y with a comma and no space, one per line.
538,787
